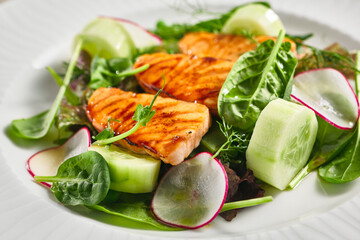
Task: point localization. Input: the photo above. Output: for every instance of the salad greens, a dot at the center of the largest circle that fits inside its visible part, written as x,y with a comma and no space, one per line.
134,207
110,72
69,119
257,78
334,57
81,180
233,138
70,96
37,126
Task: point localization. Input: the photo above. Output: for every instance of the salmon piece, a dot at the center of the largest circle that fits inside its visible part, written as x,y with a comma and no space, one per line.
174,131
224,46
187,77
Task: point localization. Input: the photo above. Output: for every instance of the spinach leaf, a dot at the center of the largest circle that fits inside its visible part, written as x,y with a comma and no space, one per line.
81,180
37,126
109,73
134,207
257,78
329,142
345,167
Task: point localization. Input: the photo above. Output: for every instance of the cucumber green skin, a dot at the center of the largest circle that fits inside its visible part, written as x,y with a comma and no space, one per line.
129,172
106,38
253,18
281,142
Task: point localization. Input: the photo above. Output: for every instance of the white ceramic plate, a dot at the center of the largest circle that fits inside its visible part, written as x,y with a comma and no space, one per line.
35,34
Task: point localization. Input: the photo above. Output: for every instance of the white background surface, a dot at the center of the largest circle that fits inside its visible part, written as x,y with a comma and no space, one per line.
35,34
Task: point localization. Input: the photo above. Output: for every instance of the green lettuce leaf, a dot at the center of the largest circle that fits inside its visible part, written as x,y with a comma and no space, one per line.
257,78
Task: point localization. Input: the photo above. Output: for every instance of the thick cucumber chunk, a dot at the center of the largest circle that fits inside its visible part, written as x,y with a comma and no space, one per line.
253,18
129,172
281,143
106,38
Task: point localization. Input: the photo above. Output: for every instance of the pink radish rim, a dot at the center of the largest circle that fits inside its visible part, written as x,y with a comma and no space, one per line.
322,116
135,24
217,212
27,165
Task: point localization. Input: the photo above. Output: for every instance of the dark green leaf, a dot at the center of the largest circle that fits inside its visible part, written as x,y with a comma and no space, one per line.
257,78
345,167
110,72
135,207
80,180
329,141
118,65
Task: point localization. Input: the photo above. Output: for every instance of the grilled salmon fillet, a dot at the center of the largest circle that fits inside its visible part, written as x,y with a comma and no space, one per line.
187,77
224,46
174,131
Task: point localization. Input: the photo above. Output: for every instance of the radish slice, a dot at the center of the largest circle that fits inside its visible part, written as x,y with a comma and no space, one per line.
141,36
46,162
191,194
328,93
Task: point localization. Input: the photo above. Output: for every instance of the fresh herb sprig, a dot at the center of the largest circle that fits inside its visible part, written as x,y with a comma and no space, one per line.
235,140
107,132
109,73
318,58
142,116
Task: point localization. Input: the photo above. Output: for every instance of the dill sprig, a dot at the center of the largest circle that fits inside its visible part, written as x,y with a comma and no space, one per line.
318,58
236,142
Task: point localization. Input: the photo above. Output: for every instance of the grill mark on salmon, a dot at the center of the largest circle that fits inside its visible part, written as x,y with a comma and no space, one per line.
225,46
175,130
187,77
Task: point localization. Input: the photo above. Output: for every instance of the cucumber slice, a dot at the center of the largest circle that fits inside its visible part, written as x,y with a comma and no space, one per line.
106,38
254,18
281,143
213,139
129,172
